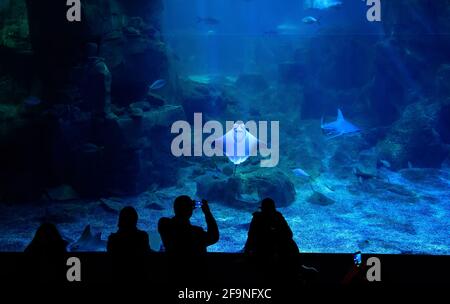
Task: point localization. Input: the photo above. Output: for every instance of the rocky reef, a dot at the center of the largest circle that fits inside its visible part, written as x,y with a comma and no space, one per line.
248,188
415,139
75,107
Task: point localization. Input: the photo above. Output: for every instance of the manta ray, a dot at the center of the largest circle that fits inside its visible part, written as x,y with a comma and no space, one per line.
238,144
339,127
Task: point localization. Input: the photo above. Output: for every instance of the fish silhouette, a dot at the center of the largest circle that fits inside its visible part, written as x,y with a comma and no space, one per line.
158,84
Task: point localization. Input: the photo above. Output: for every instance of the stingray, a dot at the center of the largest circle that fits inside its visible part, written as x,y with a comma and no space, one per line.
88,242
238,144
339,127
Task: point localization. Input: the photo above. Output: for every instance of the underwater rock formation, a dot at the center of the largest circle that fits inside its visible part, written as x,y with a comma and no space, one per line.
65,91
14,31
404,75
251,82
275,184
409,28
413,139
248,188
96,87
443,81
203,98
291,72
329,82
368,162
124,163
404,70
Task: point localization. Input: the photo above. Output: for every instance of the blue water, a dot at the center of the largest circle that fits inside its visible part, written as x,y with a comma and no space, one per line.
244,40
371,70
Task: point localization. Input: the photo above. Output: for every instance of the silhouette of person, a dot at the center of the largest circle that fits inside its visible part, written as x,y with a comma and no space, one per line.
45,256
180,237
47,241
128,239
129,248
271,247
269,233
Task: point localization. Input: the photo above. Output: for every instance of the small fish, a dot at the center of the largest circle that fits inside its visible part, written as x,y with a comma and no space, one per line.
300,172
32,101
385,163
158,84
410,166
310,20
208,21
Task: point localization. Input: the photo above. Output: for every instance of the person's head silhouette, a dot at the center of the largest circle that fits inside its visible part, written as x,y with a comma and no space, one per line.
47,233
268,206
128,218
47,239
183,207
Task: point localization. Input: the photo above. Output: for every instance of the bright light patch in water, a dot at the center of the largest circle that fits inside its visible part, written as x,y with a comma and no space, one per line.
321,4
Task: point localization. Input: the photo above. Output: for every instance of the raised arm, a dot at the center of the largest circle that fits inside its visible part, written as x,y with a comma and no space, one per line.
212,231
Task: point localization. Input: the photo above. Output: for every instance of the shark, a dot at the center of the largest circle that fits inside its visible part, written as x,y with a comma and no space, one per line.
338,127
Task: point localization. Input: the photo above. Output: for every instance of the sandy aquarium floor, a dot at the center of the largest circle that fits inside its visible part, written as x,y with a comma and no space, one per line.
406,212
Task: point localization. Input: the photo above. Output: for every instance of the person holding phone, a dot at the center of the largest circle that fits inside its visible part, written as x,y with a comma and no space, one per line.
356,274
180,237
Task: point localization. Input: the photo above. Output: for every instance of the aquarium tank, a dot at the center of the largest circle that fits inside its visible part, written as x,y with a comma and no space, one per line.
337,110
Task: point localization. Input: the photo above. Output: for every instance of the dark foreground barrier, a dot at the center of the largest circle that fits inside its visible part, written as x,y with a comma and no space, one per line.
229,274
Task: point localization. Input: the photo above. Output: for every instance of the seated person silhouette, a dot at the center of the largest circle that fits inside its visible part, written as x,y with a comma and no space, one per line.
269,233
180,237
271,247
128,239
45,261
128,248
47,241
